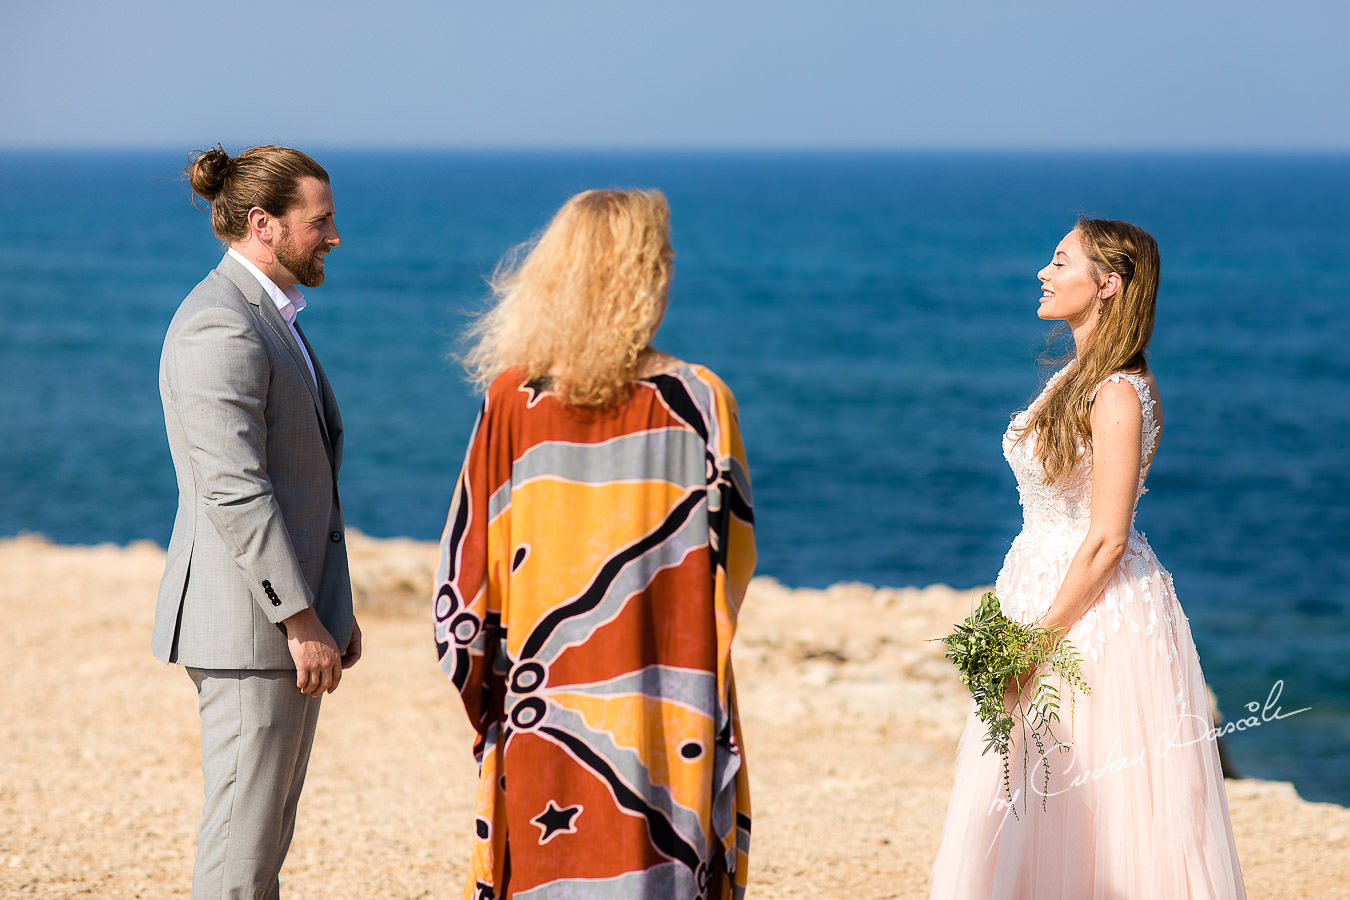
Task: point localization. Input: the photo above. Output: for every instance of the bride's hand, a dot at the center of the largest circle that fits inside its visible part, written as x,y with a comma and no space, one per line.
1023,684
1018,684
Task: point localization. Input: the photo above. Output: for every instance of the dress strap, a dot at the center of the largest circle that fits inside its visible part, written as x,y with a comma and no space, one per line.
1146,404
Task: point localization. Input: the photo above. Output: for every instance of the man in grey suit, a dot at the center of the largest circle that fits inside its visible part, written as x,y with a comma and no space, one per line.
256,599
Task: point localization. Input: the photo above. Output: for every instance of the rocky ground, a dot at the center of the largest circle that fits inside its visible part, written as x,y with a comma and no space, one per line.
851,719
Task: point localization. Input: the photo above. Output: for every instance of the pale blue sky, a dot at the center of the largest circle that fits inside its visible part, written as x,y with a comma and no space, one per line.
1185,74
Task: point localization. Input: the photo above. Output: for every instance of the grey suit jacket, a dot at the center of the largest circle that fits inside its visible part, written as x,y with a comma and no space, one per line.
256,448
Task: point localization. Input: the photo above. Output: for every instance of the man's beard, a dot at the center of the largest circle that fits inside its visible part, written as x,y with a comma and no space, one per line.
305,267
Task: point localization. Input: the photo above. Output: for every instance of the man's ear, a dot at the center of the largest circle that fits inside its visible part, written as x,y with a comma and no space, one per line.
1108,288
260,224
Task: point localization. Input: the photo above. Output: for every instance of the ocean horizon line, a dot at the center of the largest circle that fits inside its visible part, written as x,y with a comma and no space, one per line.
657,151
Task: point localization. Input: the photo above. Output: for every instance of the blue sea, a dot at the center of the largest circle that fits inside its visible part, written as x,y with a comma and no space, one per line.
874,313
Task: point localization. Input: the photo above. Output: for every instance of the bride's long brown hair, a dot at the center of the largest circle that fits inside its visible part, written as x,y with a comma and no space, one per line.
1062,423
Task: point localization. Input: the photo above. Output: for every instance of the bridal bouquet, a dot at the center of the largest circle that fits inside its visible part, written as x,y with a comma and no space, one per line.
990,651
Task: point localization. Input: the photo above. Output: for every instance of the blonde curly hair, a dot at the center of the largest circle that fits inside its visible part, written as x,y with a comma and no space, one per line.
582,301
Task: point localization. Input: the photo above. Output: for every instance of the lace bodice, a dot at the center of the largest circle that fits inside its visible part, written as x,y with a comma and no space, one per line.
1139,599
1061,510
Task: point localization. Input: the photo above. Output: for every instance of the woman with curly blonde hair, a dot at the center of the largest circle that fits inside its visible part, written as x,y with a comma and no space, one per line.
1134,802
583,303
596,552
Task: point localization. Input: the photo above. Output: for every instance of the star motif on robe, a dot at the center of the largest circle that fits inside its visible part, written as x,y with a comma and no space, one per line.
554,821
535,390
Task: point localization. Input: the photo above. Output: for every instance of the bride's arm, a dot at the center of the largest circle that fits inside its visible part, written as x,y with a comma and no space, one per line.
1117,435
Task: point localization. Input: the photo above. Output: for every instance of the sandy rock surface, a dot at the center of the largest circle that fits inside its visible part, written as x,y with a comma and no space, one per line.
851,721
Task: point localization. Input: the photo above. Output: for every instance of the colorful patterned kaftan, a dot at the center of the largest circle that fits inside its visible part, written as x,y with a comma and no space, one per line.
591,571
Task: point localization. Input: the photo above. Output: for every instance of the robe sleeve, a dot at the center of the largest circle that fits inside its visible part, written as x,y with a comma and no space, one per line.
467,606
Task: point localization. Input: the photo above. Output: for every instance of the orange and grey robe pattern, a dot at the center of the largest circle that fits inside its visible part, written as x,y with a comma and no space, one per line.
591,571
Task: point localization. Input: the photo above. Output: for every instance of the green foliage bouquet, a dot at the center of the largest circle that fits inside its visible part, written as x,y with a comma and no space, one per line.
991,651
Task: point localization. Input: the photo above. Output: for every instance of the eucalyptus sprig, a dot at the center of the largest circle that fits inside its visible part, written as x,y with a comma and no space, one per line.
989,650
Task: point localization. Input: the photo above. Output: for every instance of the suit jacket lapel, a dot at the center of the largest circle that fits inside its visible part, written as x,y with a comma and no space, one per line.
329,415
267,310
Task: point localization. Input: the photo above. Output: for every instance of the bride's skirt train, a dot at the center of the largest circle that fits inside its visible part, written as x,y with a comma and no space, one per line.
1135,807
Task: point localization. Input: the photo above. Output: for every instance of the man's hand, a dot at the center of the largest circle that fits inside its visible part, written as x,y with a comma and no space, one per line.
353,647
318,666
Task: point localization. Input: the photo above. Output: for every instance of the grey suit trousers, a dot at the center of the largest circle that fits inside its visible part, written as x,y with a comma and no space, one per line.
257,730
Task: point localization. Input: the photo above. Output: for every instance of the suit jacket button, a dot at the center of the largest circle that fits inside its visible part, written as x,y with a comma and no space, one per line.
267,585
336,537
276,601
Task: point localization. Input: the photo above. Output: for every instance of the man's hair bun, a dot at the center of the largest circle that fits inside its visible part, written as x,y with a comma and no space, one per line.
207,172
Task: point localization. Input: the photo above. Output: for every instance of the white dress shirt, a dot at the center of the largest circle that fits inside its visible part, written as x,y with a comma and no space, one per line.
289,303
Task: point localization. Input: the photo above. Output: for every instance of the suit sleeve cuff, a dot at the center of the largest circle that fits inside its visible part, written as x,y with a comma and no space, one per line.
280,603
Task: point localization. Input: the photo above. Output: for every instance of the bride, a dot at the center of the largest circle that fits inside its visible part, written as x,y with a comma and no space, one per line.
1135,804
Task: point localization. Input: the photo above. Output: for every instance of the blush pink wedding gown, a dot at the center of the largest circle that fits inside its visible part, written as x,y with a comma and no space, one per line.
1136,810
